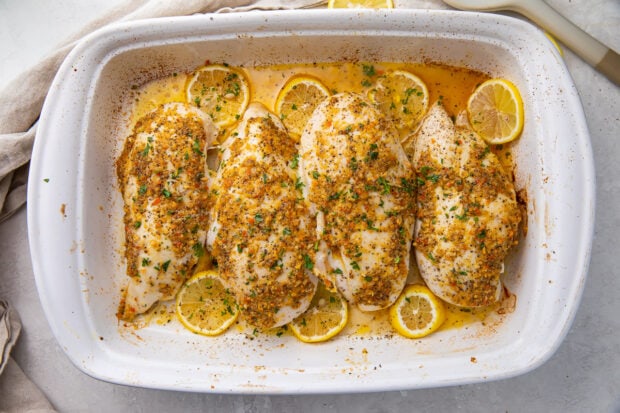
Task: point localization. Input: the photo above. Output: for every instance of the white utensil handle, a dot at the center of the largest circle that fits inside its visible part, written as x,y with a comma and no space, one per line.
585,46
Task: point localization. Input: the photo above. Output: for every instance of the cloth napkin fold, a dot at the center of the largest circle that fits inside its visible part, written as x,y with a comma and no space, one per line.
17,392
9,331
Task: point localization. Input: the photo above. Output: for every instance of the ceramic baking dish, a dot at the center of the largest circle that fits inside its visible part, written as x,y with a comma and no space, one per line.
75,208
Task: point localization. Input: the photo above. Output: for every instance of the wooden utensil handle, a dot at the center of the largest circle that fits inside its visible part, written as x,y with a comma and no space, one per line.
610,66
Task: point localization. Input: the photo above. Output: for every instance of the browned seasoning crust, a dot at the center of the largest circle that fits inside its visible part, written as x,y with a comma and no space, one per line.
165,190
260,214
354,198
468,234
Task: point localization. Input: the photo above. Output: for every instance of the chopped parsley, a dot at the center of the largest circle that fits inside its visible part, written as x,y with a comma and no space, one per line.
308,264
198,249
369,70
234,89
484,152
408,94
433,178
295,161
406,185
373,153
299,184
176,173
385,184
334,196
196,147
353,164
462,217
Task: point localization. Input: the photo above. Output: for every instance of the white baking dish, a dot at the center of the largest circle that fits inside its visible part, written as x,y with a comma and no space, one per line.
75,209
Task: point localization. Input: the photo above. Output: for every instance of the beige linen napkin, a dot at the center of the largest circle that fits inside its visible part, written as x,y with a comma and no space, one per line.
17,392
9,330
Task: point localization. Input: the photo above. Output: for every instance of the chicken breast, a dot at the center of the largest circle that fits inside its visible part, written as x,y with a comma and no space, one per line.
360,184
162,177
261,233
468,216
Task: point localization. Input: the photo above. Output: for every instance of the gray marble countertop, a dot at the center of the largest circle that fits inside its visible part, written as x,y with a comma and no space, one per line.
583,375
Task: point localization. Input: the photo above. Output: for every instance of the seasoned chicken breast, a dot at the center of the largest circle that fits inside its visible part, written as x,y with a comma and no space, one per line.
162,177
467,218
261,232
360,184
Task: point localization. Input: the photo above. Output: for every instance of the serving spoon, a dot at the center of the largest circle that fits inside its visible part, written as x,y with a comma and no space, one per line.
601,57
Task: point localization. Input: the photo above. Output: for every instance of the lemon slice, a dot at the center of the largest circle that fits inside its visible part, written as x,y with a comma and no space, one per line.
402,97
297,100
495,111
220,91
417,312
326,317
204,306
368,4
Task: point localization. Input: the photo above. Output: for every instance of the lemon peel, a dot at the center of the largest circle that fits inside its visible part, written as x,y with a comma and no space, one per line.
417,312
204,306
495,111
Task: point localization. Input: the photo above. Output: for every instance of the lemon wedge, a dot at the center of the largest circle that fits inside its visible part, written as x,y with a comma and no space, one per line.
417,312
325,318
402,97
220,91
368,4
296,101
495,111
204,306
